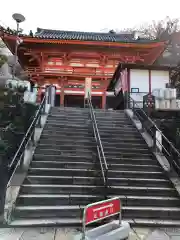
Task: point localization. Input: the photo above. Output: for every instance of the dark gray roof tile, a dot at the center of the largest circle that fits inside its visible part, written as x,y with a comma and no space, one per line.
88,36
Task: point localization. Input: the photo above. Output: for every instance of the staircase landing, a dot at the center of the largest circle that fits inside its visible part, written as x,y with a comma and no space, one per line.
69,233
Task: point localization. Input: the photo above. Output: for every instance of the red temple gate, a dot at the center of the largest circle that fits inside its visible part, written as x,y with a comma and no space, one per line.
65,59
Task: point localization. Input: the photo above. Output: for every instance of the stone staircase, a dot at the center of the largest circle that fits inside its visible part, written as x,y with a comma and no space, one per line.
147,194
63,176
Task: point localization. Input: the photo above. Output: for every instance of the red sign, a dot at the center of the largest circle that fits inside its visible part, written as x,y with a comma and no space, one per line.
101,210
124,77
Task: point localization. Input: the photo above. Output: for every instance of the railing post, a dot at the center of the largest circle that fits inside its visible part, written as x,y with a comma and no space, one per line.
3,184
39,121
154,147
171,158
85,103
33,136
106,183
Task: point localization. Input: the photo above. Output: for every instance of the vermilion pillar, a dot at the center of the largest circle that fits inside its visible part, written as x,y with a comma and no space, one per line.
62,93
104,100
39,95
150,88
104,84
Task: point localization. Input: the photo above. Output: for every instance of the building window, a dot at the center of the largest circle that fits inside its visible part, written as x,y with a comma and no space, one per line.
135,90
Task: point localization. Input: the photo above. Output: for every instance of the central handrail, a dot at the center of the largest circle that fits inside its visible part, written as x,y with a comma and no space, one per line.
171,153
101,155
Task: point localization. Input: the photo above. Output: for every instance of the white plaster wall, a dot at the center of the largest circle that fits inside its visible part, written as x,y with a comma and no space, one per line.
159,79
139,79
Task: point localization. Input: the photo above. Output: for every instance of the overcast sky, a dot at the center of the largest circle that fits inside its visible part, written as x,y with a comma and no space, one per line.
87,15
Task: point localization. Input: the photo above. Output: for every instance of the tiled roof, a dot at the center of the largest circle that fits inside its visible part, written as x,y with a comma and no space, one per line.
87,36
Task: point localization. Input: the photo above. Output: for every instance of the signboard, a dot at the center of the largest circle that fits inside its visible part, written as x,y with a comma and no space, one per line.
101,210
88,86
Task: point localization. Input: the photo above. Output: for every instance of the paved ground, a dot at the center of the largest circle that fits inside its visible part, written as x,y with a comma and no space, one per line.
68,234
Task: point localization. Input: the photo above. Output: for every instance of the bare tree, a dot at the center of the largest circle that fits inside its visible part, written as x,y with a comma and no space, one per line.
161,29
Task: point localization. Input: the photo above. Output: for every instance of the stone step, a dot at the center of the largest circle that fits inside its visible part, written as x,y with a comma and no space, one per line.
87,128
71,126
136,174
61,141
164,213
76,211
84,180
62,171
91,173
135,167
68,146
59,120
106,133
121,134
62,116
59,164
54,157
68,132
61,211
65,152
127,154
87,165
46,222
88,143
107,116
133,161
75,222
53,137
82,115
126,139
90,137
85,151
71,146
76,158
124,148
93,189
63,180
154,223
142,191
69,120
60,189
56,199
76,199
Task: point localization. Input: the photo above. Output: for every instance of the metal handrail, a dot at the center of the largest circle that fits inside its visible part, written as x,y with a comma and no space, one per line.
29,135
29,131
101,155
169,154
